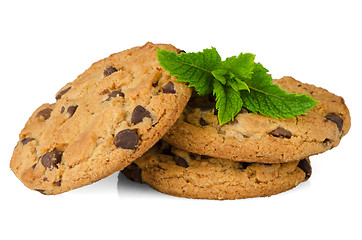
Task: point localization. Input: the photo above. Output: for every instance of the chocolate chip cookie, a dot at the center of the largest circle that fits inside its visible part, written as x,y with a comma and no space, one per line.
256,138
108,117
179,173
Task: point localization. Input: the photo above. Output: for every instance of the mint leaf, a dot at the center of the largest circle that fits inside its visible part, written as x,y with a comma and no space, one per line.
228,102
236,82
269,99
194,68
241,66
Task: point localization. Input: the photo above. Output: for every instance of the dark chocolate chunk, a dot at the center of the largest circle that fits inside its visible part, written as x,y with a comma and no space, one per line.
133,172
51,159
61,93
180,161
26,140
327,141
203,122
114,94
40,190
71,110
109,70
281,132
62,109
105,91
58,183
305,166
169,88
126,139
138,114
45,113
336,119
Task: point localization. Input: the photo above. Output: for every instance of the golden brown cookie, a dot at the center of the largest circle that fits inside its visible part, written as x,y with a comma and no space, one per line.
256,138
182,174
102,121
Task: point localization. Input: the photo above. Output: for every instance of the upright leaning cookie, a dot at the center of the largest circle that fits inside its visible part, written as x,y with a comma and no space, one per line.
179,173
256,138
108,117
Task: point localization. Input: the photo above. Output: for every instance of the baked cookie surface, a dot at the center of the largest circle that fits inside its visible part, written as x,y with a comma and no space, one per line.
256,138
108,117
182,174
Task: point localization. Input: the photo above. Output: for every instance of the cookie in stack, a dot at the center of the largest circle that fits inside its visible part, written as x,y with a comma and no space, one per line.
106,118
252,156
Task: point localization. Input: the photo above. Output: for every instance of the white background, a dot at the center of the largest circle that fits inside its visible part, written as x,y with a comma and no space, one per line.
45,44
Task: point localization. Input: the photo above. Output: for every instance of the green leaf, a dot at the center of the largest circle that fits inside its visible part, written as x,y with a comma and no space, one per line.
242,66
228,102
237,84
269,99
194,68
221,75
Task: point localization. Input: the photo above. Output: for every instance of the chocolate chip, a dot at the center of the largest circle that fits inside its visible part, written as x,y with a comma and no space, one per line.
326,142
62,109
305,166
61,93
26,140
40,190
109,70
133,172
71,110
180,161
126,139
45,113
203,122
281,132
58,183
105,91
169,88
336,119
139,113
114,94
51,159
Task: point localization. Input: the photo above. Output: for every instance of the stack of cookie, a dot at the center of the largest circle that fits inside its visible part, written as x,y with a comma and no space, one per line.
113,116
251,156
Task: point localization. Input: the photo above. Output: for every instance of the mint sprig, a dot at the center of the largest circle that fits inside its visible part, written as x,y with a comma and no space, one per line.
236,82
